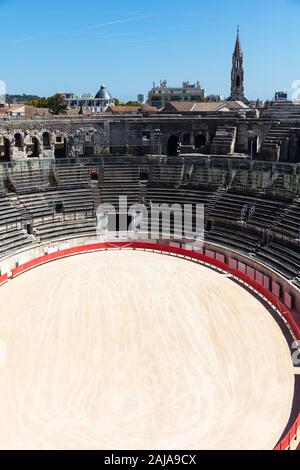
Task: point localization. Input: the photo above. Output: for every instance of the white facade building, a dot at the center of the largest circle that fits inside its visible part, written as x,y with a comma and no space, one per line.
160,95
95,103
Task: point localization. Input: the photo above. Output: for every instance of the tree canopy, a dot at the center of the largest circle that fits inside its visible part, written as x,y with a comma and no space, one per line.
56,104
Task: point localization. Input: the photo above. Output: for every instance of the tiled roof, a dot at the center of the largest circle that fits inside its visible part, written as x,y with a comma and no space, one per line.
24,110
132,109
195,107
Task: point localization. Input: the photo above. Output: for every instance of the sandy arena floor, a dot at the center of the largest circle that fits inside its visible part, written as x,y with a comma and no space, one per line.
129,350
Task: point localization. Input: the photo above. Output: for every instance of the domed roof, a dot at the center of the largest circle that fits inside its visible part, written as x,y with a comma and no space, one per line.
103,93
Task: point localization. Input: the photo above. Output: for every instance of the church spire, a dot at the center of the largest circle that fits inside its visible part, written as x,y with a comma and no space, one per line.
237,72
238,49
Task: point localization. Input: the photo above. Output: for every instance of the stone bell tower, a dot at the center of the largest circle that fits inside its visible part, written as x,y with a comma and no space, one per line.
237,73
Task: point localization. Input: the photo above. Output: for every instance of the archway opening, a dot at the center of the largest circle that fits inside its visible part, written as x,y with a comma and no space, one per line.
253,145
19,141
173,146
46,140
34,149
200,141
60,148
238,81
4,150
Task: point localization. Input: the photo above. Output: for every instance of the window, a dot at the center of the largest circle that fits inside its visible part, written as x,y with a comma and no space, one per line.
89,136
58,207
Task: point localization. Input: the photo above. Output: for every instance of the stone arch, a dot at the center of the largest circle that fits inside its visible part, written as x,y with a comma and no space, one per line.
46,137
19,141
173,146
5,149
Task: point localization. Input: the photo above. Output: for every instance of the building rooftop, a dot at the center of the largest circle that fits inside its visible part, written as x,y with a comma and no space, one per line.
103,93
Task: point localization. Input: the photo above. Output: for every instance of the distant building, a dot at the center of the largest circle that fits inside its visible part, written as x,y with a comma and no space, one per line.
214,98
23,111
87,102
141,99
160,95
281,97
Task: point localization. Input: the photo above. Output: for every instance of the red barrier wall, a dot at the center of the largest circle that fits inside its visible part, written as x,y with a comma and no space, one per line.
209,259
3,279
291,435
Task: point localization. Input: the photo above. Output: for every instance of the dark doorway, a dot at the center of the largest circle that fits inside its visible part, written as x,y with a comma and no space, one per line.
116,222
94,174
253,145
18,141
46,140
58,207
89,150
173,146
33,150
5,150
60,148
200,141
36,148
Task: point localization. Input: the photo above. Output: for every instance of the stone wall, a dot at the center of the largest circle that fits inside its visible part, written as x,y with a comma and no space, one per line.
62,137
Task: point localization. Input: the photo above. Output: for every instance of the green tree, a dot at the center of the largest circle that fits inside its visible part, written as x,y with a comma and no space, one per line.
57,105
38,102
127,103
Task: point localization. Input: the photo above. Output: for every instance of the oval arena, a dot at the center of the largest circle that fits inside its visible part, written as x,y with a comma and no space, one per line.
149,344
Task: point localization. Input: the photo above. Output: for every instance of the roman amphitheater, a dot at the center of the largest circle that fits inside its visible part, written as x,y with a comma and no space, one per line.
115,339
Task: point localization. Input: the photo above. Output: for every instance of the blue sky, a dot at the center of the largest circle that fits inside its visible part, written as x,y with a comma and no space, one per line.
64,45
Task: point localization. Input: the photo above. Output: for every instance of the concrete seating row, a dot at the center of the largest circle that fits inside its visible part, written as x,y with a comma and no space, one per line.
60,229
12,240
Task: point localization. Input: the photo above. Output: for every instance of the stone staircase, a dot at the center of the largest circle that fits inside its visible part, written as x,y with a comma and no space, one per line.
284,214
275,140
120,181
214,199
287,111
224,141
